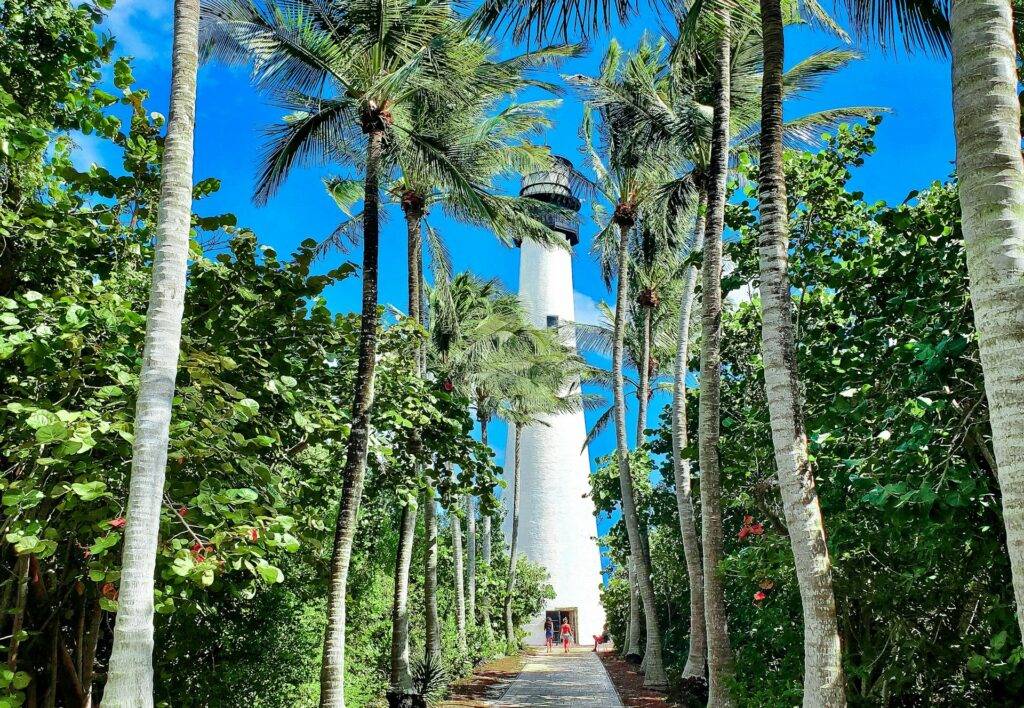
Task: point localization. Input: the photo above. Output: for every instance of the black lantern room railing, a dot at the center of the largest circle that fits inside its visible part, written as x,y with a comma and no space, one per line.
554,186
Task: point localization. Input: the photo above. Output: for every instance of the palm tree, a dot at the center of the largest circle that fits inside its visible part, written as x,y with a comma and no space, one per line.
400,679
991,176
470,321
655,103
720,662
543,378
649,339
823,666
130,679
460,591
986,118
627,183
475,149
468,150
347,71
696,658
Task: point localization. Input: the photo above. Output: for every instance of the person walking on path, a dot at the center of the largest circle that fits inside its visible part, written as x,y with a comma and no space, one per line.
566,635
549,633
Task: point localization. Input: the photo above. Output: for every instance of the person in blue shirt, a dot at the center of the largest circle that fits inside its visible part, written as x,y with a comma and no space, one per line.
549,633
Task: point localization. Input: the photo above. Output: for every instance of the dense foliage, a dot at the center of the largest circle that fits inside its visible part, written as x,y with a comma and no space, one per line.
900,443
890,377
258,428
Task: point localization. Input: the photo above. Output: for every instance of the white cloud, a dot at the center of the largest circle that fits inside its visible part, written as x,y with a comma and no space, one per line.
142,28
87,152
744,293
586,308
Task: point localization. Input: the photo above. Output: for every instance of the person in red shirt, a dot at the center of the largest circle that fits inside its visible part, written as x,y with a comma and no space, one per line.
566,635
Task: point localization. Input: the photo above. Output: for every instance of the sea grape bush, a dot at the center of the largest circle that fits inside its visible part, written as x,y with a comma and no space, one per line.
900,445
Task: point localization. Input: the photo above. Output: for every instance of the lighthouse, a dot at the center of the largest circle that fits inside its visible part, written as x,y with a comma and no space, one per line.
557,525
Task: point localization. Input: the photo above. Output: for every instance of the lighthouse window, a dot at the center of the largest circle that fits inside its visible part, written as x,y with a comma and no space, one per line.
553,321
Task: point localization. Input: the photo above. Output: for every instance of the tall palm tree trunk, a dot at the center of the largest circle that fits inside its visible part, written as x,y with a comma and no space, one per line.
655,676
643,390
635,627
432,624
720,663
460,591
332,673
130,679
823,667
485,545
401,676
991,176
510,583
471,560
696,659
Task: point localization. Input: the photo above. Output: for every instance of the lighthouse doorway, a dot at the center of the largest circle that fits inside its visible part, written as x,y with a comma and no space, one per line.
561,615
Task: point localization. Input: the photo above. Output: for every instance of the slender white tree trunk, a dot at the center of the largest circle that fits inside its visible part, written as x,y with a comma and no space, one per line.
634,626
823,663
432,625
401,676
510,630
644,378
991,176
485,541
695,660
655,676
471,561
130,679
720,662
485,553
460,591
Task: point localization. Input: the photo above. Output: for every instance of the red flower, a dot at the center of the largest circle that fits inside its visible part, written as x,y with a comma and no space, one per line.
118,523
200,558
757,529
758,596
448,386
109,591
254,534
196,549
183,511
744,532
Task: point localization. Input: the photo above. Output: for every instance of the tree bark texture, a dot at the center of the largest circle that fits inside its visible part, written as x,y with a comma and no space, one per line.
460,590
644,378
510,630
130,678
332,674
655,676
432,625
696,659
720,662
991,176
635,626
823,666
401,676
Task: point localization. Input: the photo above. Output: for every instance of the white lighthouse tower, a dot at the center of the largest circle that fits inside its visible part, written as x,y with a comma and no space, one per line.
557,526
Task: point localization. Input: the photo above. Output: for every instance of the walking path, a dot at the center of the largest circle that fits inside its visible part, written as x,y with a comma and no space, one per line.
558,679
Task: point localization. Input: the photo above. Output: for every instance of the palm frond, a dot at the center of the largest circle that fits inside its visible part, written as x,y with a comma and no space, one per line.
920,24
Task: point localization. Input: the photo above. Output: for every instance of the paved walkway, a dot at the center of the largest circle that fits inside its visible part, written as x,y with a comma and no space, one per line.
557,679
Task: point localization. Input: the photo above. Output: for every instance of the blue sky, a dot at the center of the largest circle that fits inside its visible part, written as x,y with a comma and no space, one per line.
915,147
